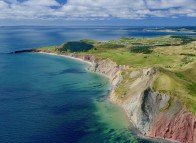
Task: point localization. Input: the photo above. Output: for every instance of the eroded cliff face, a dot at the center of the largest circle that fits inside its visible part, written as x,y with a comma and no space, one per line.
155,114
142,104
150,111
110,69
176,124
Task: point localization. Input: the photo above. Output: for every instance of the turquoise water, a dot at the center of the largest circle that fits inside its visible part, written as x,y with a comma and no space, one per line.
52,99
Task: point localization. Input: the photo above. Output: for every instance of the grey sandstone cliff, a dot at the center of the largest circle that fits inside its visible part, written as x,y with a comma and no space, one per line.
109,69
150,111
141,103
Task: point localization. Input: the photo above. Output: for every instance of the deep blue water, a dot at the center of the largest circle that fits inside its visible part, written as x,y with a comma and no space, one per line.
46,99
50,99
15,38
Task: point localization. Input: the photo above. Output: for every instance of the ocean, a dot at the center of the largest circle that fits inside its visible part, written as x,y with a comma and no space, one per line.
51,99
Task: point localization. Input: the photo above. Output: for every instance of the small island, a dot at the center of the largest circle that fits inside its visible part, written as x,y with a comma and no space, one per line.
154,80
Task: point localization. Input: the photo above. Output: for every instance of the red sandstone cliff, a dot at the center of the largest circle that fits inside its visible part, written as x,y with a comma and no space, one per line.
180,127
144,107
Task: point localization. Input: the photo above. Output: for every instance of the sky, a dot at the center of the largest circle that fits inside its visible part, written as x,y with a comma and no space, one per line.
98,12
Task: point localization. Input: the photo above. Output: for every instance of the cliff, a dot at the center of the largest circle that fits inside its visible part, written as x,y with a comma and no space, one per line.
155,114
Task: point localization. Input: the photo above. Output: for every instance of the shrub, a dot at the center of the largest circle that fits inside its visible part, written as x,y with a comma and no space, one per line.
186,60
188,54
78,46
141,49
185,39
112,46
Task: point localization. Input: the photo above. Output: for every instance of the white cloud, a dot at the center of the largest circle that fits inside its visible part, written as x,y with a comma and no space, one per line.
3,5
165,4
96,9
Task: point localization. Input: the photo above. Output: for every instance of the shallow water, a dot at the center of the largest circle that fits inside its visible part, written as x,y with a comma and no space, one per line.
41,102
51,99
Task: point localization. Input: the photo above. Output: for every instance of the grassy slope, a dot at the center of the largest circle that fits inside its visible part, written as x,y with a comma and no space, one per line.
178,84
175,57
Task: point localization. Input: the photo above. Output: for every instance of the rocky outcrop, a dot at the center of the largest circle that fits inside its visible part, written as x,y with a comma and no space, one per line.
142,109
176,124
151,112
148,110
141,103
110,69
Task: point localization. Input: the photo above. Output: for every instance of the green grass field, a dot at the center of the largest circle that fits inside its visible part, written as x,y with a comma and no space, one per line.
175,56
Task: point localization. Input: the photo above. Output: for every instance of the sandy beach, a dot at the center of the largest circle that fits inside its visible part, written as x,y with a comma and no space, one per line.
67,56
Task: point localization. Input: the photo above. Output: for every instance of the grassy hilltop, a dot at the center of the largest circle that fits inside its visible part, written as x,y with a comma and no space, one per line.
174,56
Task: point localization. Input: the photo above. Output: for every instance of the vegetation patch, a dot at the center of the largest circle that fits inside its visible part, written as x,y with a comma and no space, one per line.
141,49
188,54
185,39
174,56
111,46
176,84
76,46
186,60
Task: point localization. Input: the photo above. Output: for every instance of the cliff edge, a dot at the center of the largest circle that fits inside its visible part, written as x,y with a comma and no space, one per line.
156,114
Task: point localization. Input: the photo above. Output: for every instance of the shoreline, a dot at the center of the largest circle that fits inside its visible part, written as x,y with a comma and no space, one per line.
66,56
111,90
77,59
